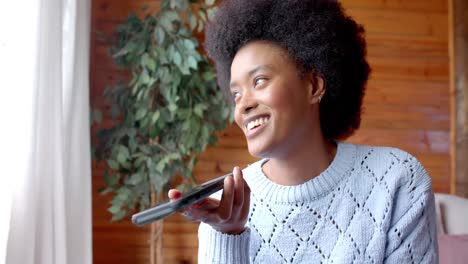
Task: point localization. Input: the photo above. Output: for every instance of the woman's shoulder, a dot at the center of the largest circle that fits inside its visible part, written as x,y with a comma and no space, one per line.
384,156
391,165
383,152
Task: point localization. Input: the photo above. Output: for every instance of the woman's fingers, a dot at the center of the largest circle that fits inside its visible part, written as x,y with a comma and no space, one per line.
239,192
174,194
225,206
246,205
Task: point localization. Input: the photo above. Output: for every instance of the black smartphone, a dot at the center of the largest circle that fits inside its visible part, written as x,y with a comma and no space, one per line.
193,196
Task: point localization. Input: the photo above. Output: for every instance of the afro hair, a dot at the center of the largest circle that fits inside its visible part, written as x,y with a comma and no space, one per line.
316,34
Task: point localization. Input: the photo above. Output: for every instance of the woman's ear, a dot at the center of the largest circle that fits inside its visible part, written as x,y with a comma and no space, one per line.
316,87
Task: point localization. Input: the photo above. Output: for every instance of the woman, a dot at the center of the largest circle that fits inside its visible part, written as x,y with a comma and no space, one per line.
296,71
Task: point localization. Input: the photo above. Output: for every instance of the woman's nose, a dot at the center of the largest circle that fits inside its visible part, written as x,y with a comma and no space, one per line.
247,102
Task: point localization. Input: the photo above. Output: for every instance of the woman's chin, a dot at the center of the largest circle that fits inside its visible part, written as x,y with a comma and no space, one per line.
258,150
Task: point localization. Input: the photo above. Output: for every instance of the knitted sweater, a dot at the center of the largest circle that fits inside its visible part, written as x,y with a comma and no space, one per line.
371,205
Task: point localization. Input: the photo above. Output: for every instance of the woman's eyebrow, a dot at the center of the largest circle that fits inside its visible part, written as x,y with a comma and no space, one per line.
253,72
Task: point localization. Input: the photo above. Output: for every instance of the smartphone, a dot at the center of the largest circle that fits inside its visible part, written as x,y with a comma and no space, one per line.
165,209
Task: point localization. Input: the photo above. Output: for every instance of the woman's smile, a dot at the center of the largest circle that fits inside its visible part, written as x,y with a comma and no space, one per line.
255,125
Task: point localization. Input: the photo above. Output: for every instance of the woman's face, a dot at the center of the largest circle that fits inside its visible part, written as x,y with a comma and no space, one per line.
273,103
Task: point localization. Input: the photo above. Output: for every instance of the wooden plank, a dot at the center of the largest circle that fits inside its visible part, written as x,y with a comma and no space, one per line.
402,23
396,117
399,5
384,45
414,141
118,11
409,69
104,60
408,93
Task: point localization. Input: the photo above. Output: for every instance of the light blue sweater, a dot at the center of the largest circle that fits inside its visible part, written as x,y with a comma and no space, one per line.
371,205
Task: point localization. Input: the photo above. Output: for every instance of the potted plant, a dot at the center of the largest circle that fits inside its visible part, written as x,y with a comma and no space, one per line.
165,115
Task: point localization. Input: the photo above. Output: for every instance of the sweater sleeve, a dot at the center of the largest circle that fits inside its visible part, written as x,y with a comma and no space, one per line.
412,236
215,247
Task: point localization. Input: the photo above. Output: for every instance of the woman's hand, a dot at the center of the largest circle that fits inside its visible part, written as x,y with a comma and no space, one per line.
226,216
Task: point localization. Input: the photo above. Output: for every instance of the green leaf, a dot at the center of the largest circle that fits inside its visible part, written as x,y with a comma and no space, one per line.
122,155
175,3
205,133
141,113
200,26
198,109
209,76
161,165
119,215
189,44
123,194
145,78
127,165
112,164
122,52
186,125
124,150
144,124
211,13
160,35
203,16
184,70
121,159
114,209
192,63
106,191
155,117
165,75
192,22
111,180
139,161
172,107
177,58
149,62
135,179
165,22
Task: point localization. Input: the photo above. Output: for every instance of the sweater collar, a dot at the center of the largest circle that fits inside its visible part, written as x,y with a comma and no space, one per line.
313,189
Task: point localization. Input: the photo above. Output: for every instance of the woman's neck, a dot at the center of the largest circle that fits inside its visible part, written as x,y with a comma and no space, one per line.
301,164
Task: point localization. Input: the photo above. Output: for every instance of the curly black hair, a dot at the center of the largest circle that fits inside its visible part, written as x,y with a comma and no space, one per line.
317,34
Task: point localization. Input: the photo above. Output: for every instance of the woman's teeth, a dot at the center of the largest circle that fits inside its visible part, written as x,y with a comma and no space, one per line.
257,122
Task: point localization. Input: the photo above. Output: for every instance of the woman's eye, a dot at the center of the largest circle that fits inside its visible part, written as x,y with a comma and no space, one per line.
259,80
235,96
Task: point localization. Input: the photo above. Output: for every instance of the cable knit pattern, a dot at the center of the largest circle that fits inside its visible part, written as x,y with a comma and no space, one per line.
371,205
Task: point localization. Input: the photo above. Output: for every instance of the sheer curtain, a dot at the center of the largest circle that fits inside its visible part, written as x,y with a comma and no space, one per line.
45,132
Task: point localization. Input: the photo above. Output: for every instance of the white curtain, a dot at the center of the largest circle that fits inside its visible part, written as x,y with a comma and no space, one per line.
46,146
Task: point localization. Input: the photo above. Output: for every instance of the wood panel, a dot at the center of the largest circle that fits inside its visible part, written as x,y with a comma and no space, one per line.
459,87
406,106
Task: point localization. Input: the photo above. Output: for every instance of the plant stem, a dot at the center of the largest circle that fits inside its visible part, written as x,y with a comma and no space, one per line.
156,234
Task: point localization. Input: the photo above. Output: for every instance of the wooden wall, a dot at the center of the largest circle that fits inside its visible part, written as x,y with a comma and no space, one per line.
407,105
459,63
